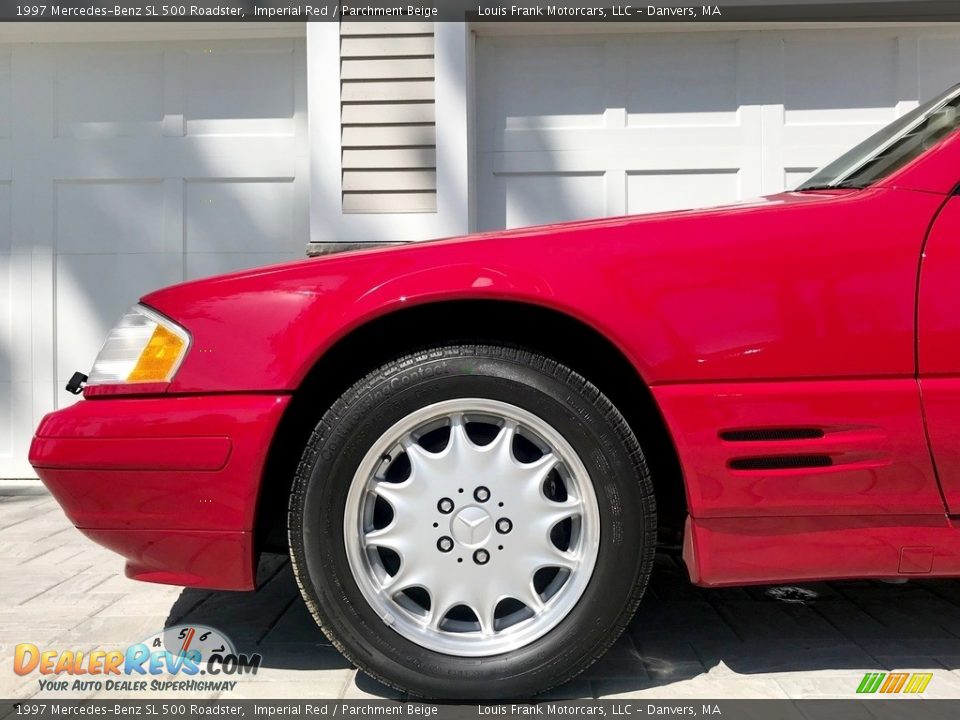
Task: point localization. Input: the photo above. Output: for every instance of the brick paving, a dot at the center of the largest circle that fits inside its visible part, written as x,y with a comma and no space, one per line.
59,590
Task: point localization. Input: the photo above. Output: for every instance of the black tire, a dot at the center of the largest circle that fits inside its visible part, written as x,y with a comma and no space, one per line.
572,405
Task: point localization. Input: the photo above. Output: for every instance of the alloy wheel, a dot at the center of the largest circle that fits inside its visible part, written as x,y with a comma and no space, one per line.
472,527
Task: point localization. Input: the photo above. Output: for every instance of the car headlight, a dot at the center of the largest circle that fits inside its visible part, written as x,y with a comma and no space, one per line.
144,347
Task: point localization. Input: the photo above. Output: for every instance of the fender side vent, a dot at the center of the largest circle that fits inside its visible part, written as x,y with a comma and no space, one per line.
771,434
781,462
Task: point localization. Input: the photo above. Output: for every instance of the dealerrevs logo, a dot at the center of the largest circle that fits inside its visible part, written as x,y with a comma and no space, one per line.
156,663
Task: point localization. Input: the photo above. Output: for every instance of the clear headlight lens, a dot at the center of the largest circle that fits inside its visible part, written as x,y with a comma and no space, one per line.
144,347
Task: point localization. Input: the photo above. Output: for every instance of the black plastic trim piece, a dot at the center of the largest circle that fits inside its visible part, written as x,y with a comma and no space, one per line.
781,462
771,434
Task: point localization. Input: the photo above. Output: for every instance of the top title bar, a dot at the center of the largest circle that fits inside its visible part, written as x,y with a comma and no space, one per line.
479,11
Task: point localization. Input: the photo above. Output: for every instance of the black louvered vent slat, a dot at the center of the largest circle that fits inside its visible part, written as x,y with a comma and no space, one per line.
771,434
781,462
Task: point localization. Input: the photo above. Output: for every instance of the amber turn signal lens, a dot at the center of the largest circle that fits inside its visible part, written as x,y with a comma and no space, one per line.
158,357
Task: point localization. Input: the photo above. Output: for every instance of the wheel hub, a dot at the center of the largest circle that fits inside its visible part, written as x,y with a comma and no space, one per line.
472,526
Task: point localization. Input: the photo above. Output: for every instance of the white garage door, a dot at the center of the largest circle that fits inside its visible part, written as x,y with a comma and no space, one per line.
592,125
125,167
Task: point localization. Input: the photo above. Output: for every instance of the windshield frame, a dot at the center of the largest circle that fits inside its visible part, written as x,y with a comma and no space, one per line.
864,153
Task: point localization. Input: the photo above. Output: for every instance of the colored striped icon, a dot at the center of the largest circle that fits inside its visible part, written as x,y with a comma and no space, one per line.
897,682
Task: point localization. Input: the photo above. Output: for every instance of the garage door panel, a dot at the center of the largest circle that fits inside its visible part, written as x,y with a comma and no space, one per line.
237,157
6,420
842,136
200,264
244,89
109,91
628,141
5,225
547,86
938,60
6,96
15,404
6,318
841,78
645,190
6,160
254,215
122,158
612,158
691,82
16,401
536,198
110,217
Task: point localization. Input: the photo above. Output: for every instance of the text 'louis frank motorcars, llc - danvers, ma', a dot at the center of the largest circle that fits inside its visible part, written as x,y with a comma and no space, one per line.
548,12
471,448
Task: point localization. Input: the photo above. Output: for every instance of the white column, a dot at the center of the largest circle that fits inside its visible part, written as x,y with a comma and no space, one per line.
454,60
328,223
323,133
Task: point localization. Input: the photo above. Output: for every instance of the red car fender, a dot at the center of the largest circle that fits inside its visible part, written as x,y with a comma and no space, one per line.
669,290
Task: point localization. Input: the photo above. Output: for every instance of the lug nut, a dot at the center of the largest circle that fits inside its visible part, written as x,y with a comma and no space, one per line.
445,506
481,494
481,557
445,544
504,526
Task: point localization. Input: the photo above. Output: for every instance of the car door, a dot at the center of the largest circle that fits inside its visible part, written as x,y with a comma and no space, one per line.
938,345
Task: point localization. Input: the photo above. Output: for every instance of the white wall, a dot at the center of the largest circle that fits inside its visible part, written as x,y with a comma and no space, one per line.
125,167
591,124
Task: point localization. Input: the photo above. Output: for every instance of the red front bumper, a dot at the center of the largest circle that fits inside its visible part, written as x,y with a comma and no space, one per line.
170,483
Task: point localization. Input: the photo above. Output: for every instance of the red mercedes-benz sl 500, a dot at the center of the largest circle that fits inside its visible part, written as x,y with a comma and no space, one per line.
471,448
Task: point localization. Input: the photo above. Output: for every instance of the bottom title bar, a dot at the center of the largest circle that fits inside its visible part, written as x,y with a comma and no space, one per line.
275,709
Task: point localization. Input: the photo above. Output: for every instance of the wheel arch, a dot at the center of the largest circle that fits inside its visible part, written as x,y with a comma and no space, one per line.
545,330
